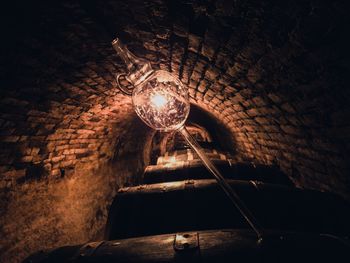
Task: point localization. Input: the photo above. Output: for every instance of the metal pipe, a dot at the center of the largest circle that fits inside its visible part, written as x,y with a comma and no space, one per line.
234,197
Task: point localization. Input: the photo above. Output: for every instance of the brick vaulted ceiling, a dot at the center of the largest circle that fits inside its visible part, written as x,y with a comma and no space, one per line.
274,73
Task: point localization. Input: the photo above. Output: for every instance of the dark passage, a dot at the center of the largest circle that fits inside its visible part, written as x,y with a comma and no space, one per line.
268,86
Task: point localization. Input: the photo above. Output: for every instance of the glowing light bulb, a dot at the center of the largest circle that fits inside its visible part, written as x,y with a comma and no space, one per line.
161,101
158,100
172,160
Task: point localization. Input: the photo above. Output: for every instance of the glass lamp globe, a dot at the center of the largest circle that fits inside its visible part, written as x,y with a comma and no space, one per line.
161,101
159,98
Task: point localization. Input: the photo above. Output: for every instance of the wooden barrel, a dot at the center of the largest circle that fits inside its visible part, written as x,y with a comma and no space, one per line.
224,246
230,169
196,205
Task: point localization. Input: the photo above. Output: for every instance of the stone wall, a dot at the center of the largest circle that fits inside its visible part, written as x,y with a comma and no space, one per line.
275,73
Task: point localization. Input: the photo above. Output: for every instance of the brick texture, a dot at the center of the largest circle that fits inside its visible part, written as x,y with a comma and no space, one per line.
273,73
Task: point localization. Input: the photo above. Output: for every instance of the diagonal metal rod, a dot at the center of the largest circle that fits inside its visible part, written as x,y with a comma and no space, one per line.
236,200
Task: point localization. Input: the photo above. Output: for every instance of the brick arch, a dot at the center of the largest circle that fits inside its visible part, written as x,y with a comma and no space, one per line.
275,74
